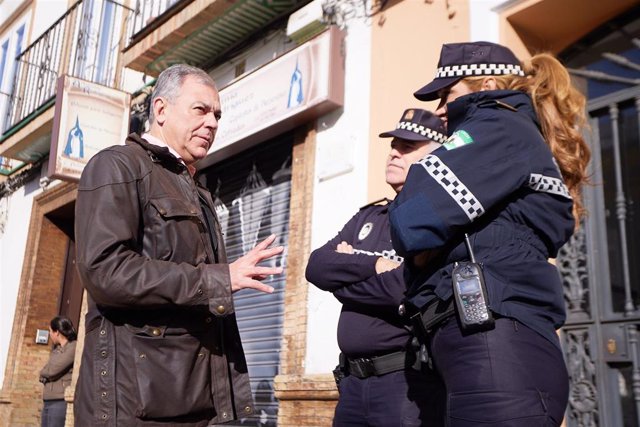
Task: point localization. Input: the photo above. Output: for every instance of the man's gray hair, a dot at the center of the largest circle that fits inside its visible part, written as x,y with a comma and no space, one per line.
170,81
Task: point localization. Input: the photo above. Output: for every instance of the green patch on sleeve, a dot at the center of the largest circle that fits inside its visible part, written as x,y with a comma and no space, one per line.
458,139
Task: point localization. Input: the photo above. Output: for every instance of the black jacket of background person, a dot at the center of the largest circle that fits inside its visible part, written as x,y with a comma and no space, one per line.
369,323
497,180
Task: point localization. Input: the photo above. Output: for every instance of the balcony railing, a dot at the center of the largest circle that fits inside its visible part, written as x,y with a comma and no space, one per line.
85,42
148,11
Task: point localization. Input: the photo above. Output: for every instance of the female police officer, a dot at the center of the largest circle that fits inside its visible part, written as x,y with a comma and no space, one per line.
510,179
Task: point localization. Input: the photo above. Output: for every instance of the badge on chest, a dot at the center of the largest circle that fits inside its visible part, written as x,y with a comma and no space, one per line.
365,231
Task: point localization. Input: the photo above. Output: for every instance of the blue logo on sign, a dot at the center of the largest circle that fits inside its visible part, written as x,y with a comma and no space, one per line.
75,142
296,96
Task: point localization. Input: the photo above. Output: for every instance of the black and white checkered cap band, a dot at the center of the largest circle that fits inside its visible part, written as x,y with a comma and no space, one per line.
478,70
391,255
547,184
424,131
452,185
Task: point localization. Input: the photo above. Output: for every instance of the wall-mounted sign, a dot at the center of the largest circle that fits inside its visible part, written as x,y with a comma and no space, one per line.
42,336
298,86
88,117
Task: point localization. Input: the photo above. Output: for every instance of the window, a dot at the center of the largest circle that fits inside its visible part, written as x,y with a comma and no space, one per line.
8,70
3,60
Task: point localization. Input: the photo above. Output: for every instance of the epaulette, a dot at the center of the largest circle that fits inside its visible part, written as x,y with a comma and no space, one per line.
375,202
495,103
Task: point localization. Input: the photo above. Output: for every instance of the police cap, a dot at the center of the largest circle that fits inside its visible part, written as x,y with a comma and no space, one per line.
460,60
418,125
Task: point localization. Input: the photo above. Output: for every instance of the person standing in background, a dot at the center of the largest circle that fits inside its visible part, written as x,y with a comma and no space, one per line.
56,374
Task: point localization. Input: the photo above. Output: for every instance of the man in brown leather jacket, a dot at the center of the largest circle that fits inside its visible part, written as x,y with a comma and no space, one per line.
162,345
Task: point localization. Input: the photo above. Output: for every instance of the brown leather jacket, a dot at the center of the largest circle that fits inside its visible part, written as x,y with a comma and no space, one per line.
56,374
162,345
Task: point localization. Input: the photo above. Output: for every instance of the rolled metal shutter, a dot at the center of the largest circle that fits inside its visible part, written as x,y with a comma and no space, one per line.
251,192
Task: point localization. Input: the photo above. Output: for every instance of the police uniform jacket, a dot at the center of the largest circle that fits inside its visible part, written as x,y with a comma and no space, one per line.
497,180
369,323
162,344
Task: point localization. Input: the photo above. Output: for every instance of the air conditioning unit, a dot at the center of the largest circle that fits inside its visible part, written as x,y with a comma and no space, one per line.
306,22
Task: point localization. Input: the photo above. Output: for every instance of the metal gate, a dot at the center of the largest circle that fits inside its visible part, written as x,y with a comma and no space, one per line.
600,266
251,193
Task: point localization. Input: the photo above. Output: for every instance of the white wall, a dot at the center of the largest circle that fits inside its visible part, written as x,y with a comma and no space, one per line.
340,187
133,80
484,20
46,13
264,51
7,7
12,246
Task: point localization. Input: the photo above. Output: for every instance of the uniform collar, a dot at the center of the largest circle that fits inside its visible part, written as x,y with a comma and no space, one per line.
382,203
459,108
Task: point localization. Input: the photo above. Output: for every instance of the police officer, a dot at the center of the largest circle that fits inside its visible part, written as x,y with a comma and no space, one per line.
510,180
384,384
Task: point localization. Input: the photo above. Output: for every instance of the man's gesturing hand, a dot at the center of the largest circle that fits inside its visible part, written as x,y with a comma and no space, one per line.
245,273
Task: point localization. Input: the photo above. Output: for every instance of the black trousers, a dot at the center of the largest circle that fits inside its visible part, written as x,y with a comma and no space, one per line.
510,376
401,398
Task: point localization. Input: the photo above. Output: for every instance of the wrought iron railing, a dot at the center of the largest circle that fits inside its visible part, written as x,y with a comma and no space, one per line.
85,42
147,11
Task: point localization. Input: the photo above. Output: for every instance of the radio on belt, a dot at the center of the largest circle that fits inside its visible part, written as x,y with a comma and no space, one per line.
470,293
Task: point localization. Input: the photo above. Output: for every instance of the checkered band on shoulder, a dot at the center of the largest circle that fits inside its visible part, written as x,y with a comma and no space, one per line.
547,184
424,131
453,186
478,70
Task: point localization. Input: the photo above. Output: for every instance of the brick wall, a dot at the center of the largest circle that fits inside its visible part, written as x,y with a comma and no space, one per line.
40,285
305,400
41,307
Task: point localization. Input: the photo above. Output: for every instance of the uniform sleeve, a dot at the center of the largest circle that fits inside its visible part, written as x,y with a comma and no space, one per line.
59,364
330,270
382,290
486,161
109,240
352,277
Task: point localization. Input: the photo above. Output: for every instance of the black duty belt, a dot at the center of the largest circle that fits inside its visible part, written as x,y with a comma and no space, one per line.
379,365
434,314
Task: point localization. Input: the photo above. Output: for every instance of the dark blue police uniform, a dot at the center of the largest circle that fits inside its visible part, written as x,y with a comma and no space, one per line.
371,333
496,180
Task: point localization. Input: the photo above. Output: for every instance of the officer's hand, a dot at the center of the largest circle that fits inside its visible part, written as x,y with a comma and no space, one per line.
383,265
344,248
245,273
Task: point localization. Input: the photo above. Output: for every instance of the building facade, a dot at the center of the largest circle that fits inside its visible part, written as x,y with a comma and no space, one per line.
306,86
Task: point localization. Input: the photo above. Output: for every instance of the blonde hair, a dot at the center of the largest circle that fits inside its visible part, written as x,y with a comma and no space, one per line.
561,111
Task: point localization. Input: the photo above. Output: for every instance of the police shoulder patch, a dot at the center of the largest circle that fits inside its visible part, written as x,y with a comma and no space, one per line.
376,202
458,139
